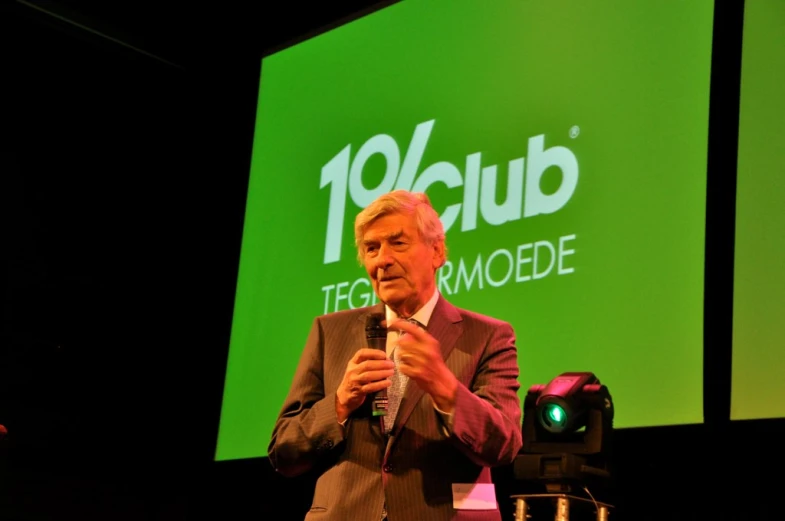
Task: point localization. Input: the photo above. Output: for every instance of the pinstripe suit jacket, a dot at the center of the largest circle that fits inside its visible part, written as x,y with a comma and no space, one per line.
414,468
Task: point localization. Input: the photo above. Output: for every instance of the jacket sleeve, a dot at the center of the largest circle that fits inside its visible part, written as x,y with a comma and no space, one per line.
307,427
486,423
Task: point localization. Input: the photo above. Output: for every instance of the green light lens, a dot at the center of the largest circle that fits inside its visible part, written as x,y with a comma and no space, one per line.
555,414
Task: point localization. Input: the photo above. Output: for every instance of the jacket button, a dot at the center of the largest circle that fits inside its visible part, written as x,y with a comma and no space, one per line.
387,468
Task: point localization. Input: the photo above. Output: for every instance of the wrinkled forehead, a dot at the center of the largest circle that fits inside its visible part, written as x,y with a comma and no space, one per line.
392,223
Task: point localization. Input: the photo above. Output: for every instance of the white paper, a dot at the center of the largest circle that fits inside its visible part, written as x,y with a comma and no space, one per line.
474,496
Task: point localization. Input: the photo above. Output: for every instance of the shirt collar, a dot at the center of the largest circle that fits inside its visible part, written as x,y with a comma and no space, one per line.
423,315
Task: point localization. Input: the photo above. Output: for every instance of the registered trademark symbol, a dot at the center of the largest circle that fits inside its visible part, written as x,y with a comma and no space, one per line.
575,131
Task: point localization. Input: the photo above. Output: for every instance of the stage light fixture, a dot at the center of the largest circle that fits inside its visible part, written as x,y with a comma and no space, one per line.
572,414
565,403
567,435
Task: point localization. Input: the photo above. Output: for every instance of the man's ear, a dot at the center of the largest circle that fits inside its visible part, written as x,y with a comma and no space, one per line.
438,254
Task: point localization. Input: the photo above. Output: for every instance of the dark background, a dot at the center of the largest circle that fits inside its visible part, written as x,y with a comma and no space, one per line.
125,154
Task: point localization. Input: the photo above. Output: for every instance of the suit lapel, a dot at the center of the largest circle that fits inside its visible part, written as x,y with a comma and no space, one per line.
446,327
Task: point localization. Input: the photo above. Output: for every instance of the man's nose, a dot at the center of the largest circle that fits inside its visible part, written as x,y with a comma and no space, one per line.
385,258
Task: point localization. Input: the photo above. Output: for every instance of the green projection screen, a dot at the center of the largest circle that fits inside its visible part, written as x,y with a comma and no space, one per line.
564,145
757,385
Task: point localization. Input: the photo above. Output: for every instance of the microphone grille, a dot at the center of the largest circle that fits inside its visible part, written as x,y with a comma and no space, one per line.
373,326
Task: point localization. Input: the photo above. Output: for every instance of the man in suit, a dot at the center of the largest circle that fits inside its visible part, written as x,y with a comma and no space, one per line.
451,376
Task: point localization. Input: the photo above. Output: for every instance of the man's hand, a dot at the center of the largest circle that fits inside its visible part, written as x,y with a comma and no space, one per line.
420,358
367,372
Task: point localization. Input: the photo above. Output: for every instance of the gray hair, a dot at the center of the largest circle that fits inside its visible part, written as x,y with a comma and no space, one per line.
401,201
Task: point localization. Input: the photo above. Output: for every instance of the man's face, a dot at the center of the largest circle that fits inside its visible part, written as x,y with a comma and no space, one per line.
401,265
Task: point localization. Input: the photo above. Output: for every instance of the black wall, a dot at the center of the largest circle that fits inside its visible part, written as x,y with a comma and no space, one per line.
124,162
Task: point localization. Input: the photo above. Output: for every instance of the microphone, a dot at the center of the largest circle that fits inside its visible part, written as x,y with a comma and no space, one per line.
376,335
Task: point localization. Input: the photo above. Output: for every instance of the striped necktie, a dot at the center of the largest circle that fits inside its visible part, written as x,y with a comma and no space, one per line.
396,390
